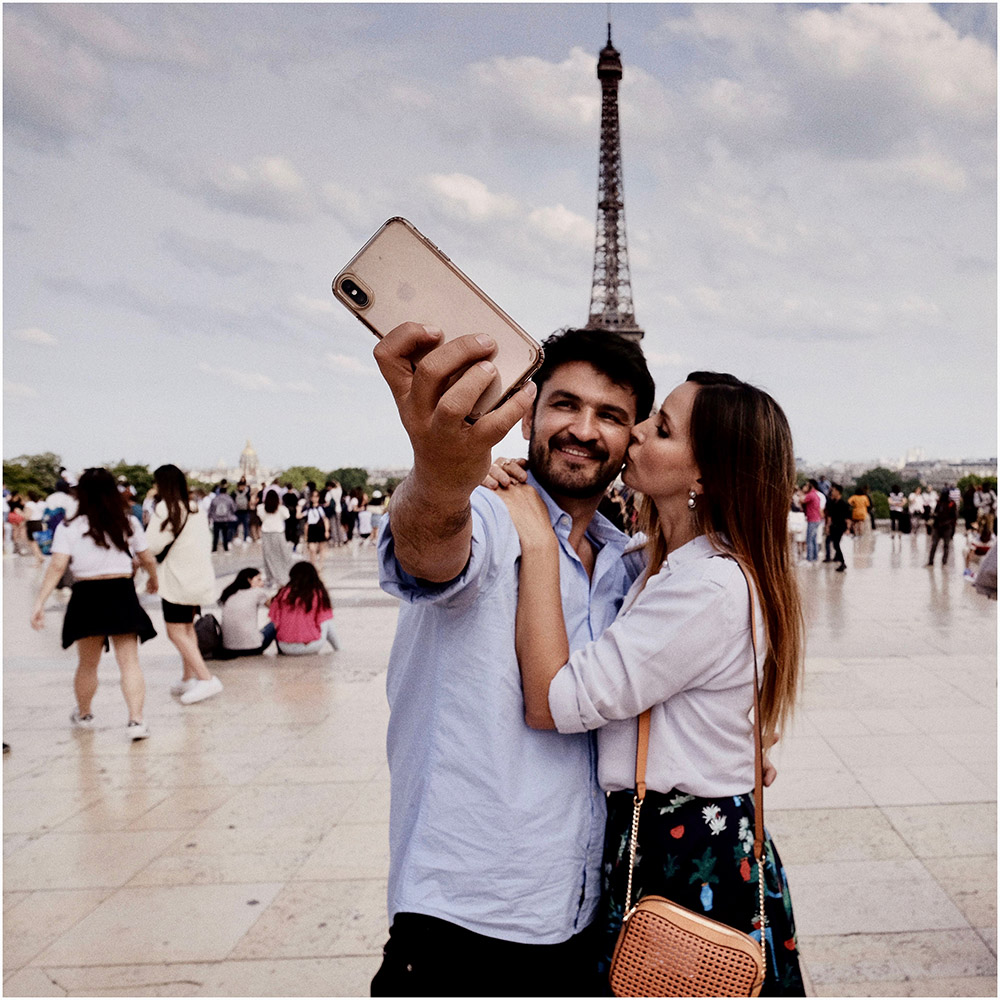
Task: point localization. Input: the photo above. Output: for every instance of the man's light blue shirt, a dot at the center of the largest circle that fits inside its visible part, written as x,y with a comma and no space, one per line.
493,826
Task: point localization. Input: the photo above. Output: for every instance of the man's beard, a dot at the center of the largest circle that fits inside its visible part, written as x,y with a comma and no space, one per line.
559,479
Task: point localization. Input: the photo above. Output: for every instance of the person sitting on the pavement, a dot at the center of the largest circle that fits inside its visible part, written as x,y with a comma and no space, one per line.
302,613
977,544
241,635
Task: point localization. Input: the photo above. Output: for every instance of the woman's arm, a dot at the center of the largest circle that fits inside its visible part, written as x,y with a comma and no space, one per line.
148,563
158,533
58,562
541,643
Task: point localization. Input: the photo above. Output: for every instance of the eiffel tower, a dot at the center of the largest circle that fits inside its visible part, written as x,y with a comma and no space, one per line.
611,306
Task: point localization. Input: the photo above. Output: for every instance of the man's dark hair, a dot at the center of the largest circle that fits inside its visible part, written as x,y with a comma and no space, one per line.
619,359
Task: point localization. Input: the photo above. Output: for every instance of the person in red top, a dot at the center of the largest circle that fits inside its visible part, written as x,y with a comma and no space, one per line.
302,613
813,507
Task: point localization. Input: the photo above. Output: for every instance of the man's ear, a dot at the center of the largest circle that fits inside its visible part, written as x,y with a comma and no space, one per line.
527,422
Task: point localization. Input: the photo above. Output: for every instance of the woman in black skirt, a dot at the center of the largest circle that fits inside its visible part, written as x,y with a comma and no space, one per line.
716,470
100,543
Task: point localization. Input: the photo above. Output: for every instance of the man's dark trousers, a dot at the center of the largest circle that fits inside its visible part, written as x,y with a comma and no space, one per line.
425,956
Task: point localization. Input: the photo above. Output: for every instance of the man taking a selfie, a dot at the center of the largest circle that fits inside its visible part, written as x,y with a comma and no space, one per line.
496,829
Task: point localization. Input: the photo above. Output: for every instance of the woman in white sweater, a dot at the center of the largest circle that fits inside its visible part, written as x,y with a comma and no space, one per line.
180,538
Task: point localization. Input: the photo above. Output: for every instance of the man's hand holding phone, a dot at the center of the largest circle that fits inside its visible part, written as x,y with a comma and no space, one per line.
435,386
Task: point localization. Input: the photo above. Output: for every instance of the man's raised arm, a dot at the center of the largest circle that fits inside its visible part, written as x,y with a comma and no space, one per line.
431,516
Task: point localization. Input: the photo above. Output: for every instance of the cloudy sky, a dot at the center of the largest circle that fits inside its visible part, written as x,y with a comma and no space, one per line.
810,201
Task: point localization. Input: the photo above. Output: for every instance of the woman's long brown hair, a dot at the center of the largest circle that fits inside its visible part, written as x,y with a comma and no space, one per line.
305,588
172,489
104,508
743,447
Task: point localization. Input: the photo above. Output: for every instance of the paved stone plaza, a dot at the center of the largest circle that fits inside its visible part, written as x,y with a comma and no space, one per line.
242,849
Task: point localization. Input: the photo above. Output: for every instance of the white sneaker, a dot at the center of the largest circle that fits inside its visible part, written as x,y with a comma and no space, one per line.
79,721
137,731
183,686
201,690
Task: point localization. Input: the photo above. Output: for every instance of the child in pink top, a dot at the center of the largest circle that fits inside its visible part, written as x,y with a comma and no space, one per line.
302,613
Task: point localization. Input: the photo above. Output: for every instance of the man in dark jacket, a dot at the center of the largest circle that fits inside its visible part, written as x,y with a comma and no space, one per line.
838,514
943,525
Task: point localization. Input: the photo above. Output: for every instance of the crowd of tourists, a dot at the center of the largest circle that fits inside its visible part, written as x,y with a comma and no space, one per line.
821,508
99,535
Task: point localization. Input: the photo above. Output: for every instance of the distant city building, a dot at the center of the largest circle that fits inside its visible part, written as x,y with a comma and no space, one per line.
933,472
249,464
382,475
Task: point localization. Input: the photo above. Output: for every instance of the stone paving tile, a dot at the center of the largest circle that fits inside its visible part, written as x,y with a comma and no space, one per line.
267,806
83,860
310,977
984,986
25,810
894,786
42,917
349,851
184,923
815,835
870,897
325,918
207,856
971,883
989,937
183,808
947,830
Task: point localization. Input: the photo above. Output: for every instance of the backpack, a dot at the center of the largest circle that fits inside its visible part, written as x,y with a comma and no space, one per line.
209,634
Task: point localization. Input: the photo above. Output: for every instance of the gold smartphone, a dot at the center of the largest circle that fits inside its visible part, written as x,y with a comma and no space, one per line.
400,276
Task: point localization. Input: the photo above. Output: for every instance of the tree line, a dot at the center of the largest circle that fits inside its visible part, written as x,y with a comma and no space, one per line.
40,472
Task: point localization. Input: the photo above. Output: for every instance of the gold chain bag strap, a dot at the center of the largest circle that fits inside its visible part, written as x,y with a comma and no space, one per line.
666,950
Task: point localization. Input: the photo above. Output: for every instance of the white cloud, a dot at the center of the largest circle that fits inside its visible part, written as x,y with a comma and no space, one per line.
304,388
559,224
53,91
353,206
345,363
470,199
663,359
18,390
218,256
34,335
867,81
314,309
558,100
268,187
254,381
930,170
107,32
910,47
412,96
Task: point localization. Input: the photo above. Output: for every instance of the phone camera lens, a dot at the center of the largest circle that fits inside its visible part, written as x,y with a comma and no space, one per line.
357,295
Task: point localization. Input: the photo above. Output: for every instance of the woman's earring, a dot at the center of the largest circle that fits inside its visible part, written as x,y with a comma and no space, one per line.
692,499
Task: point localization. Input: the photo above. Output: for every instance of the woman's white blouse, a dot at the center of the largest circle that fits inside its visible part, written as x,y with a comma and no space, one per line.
680,645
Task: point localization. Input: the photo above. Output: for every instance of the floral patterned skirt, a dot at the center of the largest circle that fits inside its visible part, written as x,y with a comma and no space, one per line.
698,852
